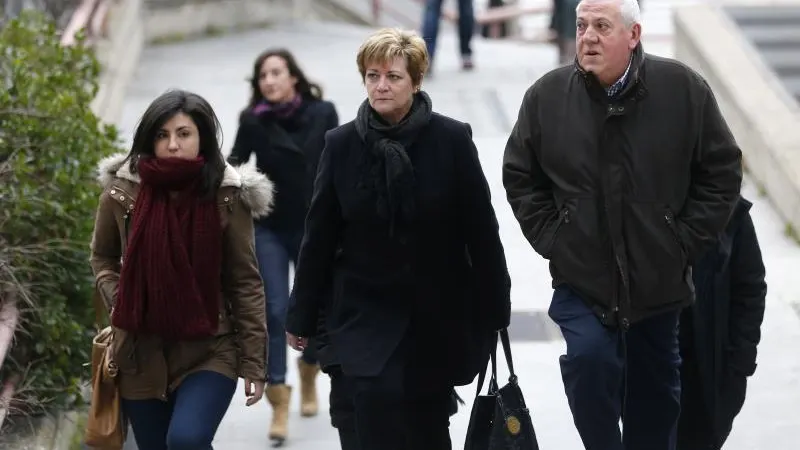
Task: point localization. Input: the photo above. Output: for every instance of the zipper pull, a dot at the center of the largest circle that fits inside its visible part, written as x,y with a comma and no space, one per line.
566,215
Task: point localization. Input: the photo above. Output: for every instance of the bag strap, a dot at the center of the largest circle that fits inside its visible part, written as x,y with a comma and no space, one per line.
493,359
99,309
506,341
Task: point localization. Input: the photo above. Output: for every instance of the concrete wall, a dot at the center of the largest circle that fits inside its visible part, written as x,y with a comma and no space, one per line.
131,24
762,115
165,19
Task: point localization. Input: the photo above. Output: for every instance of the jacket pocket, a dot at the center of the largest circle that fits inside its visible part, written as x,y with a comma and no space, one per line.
657,263
580,252
669,218
124,351
546,241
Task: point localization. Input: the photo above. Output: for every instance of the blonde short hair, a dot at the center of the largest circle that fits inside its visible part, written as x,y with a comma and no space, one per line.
387,44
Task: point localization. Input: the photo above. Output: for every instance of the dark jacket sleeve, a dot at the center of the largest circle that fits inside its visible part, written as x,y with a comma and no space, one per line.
317,250
748,296
528,189
483,236
333,118
716,179
246,139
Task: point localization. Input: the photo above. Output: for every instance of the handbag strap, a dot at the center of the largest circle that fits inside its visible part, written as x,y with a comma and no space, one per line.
493,359
99,309
506,342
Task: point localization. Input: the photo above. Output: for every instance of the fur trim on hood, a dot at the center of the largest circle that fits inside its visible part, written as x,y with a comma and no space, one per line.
257,191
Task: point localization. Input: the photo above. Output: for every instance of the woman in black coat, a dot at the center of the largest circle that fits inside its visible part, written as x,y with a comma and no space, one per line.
284,125
401,221
719,334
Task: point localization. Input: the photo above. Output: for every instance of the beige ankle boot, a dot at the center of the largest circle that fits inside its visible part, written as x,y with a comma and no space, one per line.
308,388
278,396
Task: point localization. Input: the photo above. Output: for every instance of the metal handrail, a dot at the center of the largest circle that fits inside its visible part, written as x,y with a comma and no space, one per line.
491,16
90,16
9,318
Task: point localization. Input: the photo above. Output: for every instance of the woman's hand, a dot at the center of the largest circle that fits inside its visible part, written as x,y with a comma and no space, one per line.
253,390
296,342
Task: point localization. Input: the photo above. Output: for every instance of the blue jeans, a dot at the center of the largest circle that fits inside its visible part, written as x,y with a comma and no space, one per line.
604,368
188,420
275,251
466,25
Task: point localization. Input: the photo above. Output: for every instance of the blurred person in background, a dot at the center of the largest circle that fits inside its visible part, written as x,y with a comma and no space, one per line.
284,126
564,23
720,332
466,28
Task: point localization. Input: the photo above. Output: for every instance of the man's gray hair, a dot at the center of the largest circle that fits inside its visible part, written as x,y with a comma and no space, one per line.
628,9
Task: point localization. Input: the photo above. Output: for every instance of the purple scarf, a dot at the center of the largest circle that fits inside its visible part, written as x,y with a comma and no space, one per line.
280,110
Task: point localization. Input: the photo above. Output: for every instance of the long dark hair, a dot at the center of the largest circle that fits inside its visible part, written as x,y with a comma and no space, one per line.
307,89
164,108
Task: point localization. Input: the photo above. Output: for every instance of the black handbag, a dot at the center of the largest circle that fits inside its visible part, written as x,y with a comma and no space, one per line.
500,420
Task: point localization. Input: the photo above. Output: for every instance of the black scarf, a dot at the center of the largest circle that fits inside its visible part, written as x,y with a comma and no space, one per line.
388,170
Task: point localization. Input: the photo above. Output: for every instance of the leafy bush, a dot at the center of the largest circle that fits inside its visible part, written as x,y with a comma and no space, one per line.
50,144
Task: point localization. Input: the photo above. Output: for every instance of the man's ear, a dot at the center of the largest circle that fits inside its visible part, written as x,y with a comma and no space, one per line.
636,36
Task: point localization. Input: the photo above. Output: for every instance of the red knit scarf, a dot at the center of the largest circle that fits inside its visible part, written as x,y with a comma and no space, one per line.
171,274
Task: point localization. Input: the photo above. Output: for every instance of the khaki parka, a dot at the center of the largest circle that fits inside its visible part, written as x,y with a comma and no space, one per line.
149,367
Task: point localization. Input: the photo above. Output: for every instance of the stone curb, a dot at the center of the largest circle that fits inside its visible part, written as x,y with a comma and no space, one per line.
760,112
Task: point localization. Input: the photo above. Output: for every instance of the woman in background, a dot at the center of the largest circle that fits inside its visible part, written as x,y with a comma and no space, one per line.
284,126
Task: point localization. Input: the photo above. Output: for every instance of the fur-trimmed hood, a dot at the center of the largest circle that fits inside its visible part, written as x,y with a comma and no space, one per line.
257,191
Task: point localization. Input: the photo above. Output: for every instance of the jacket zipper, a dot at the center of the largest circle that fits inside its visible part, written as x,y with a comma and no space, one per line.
562,219
669,219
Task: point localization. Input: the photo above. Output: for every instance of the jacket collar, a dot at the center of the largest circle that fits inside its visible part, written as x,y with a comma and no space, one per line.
257,191
634,84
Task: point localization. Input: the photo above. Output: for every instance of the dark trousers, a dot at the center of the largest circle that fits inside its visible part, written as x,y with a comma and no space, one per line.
555,14
188,420
343,409
466,25
605,369
275,250
395,410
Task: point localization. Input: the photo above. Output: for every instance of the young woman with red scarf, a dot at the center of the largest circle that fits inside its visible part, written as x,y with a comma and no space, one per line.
284,127
174,259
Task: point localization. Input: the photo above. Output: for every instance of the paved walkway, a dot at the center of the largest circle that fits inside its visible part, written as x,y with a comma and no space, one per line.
487,98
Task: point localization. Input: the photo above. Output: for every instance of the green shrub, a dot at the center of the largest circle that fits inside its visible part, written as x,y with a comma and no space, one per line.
50,144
